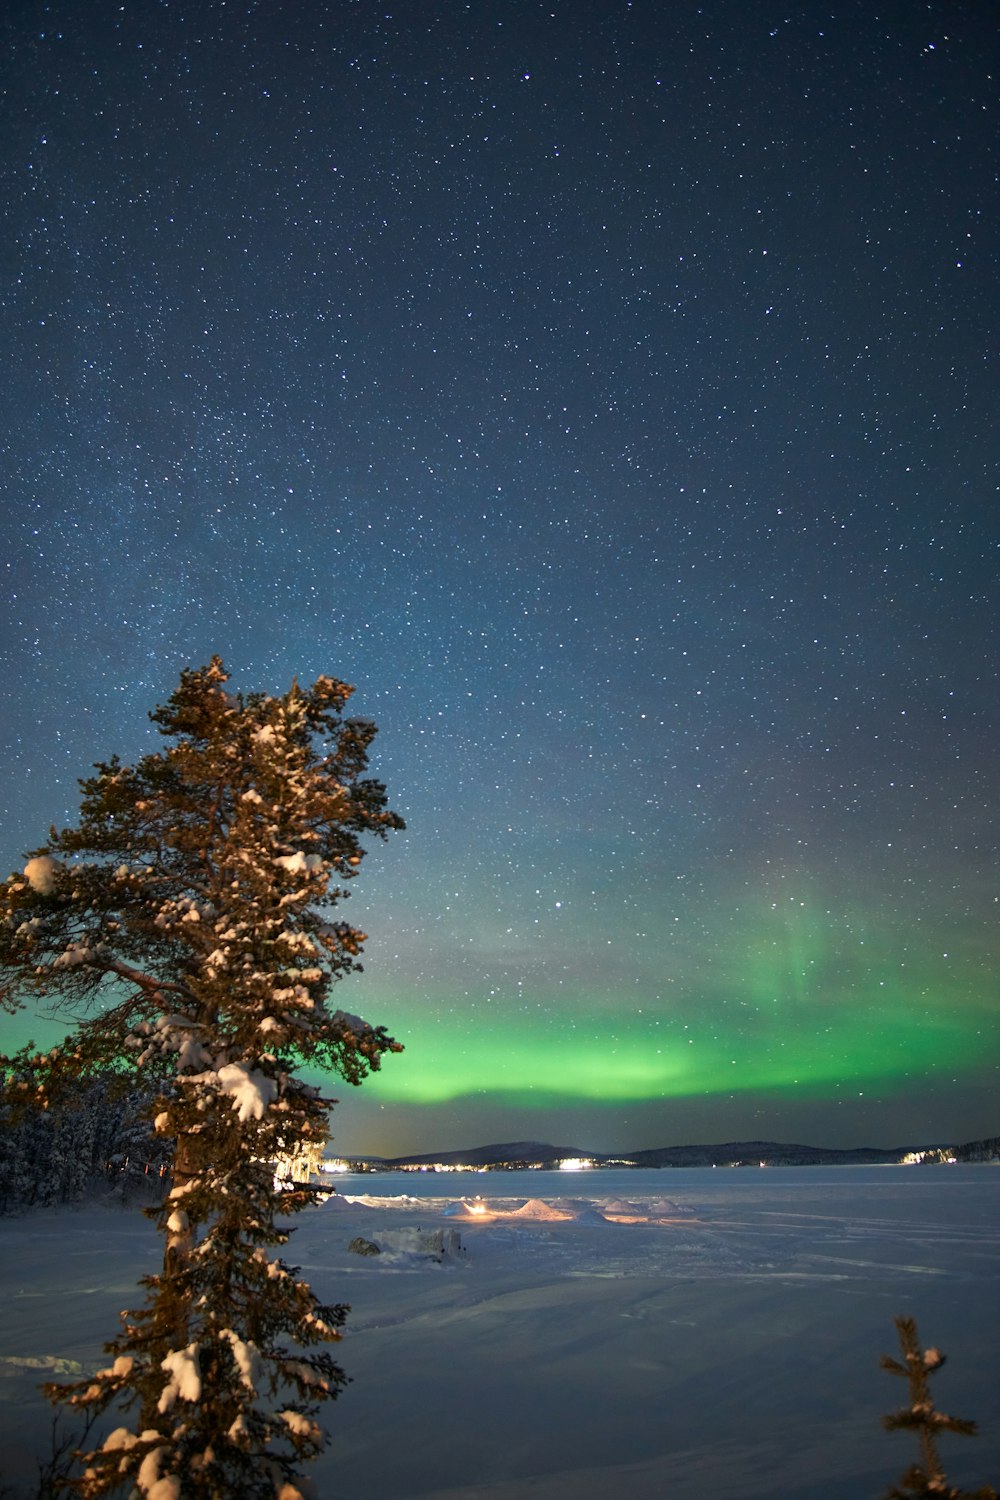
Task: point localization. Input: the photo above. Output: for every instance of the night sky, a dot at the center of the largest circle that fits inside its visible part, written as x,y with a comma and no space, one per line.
605,390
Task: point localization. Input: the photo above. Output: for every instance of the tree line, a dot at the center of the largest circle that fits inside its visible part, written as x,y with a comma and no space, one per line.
100,1144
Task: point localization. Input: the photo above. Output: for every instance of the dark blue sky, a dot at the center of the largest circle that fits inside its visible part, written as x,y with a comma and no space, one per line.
608,391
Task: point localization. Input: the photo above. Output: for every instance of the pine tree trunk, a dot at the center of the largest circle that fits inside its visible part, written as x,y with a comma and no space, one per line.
180,1243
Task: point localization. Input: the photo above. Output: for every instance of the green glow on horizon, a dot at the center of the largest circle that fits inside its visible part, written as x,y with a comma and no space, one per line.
593,1060
792,1002
792,999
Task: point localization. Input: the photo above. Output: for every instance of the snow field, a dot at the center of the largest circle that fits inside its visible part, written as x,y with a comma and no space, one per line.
697,1335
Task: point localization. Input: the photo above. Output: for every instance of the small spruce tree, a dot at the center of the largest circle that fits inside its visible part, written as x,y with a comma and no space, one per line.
927,1479
191,910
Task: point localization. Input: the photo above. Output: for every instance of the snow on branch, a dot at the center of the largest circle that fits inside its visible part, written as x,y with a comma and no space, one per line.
252,1091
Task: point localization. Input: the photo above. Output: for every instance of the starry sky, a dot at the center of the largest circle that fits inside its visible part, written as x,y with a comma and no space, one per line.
604,389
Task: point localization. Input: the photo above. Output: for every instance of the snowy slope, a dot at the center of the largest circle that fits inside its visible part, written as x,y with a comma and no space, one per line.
701,1335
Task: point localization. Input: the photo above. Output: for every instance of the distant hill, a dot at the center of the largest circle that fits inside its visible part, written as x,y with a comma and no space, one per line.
514,1154
510,1153
772,1153
728,1153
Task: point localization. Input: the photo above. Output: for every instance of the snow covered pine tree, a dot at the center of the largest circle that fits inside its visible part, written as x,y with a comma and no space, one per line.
191,909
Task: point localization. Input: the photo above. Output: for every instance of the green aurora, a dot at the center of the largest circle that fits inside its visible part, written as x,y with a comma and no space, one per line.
643,1061
794,1005
801,1007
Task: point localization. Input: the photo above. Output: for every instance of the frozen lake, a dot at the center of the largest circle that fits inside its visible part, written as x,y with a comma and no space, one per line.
698,1334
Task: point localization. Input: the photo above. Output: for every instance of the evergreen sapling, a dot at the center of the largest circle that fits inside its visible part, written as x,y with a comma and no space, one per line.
926,1479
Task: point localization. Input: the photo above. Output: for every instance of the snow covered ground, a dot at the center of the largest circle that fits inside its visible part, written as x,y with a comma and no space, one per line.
697,1335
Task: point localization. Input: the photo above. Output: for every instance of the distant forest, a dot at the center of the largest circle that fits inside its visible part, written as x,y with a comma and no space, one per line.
102,1144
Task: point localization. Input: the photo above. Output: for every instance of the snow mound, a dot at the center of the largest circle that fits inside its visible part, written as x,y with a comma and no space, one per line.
400,1200
536,1208
666,1208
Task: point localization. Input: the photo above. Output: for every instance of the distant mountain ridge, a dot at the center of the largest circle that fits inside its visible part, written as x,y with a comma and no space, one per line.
513,1154
770,1153
531,1153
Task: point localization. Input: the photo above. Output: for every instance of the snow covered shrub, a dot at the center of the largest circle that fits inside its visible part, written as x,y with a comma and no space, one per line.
191,910
927,1479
